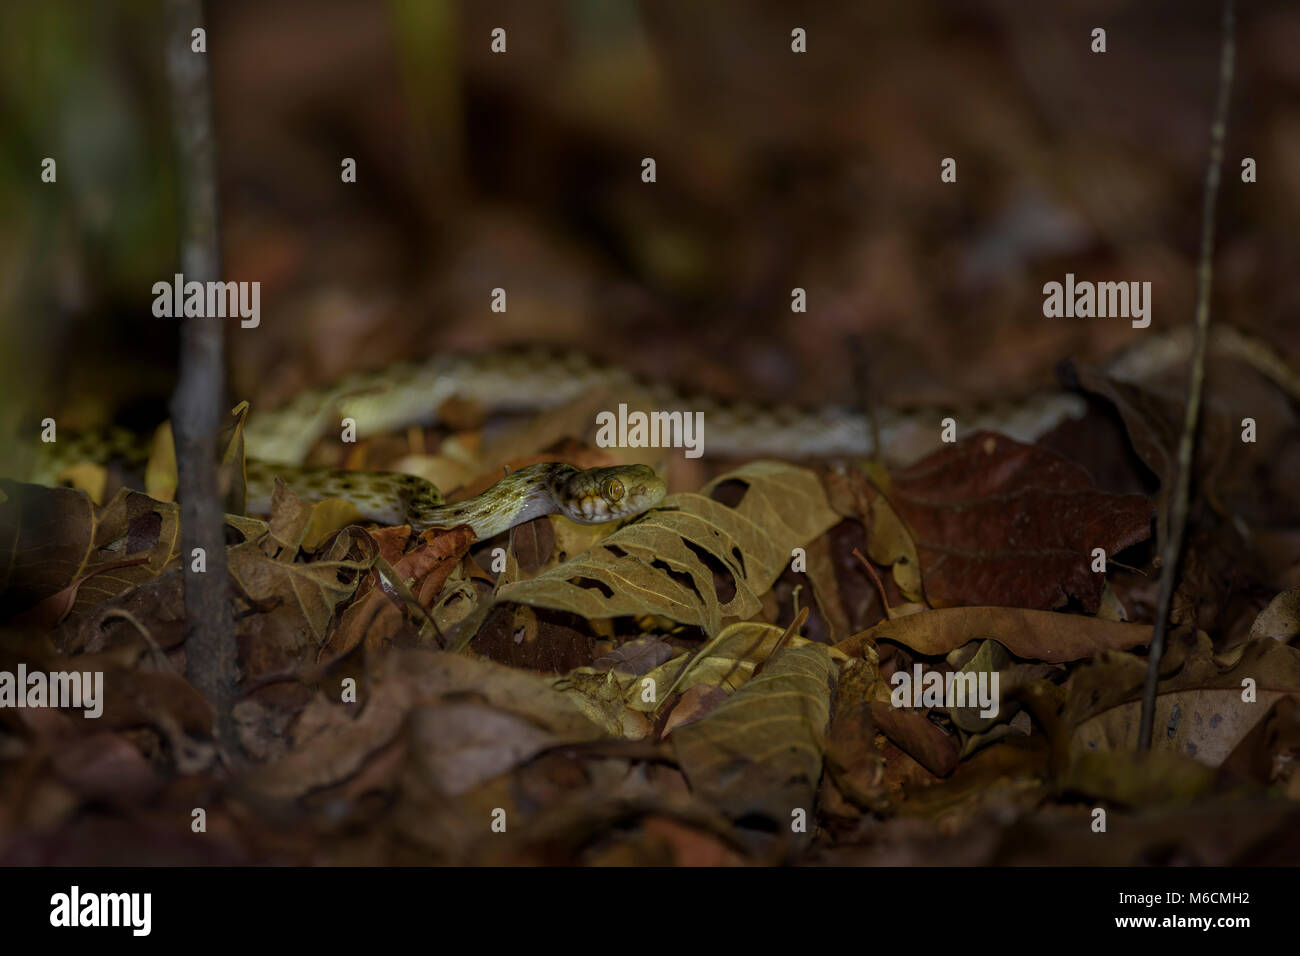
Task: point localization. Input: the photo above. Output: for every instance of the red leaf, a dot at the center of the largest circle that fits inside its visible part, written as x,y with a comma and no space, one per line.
1000,523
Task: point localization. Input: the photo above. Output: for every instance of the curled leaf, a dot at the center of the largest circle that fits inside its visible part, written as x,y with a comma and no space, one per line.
1035,635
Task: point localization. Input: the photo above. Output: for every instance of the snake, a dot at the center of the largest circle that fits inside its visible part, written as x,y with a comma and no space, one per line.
413,392
585,496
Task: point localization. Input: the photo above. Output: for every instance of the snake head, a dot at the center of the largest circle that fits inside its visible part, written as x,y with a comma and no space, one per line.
608,494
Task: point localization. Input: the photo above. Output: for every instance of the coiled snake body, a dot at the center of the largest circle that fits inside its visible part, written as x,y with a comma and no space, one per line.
412,393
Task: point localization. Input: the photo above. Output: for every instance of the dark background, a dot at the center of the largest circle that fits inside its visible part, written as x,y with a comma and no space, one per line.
522,171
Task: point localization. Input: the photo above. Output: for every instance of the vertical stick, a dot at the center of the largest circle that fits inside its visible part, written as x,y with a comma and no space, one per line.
1173,548
200,388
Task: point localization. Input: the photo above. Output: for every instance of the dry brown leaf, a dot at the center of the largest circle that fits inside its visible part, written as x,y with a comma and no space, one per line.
55,537
1281,619
1200,711
760,751
1135,779
316,588
1269,753
1035,635
378,615
851,755
916,735
998,522
333,742
1153,421
55,608
463,744
636,657
695,704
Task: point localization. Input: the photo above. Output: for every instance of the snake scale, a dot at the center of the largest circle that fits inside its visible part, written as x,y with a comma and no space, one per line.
411,393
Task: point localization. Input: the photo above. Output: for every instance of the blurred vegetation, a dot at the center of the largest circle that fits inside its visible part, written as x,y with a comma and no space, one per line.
81,84
523,171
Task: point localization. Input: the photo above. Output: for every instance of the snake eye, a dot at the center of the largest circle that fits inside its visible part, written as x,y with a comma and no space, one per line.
612,489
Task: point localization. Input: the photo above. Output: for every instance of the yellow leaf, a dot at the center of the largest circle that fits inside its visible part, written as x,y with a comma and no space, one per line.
665,562
761,749
160,477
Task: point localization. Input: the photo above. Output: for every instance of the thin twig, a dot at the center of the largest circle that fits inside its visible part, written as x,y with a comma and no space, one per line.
210,650
880,586
1173,548
160,659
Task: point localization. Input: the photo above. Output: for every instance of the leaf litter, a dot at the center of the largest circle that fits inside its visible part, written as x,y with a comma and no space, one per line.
658,678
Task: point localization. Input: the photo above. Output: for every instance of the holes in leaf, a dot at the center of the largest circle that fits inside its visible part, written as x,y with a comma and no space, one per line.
591,584
616,551
724,582
739,558
681,577
731,492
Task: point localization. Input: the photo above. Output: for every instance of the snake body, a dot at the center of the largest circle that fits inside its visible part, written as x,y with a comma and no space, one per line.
413,393
586,496
590,496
